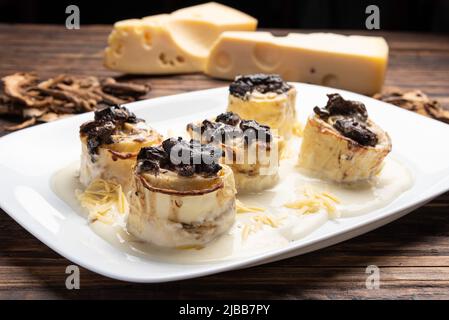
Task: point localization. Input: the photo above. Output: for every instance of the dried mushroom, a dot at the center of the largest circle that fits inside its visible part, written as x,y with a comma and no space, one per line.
18,87
416,101
23,94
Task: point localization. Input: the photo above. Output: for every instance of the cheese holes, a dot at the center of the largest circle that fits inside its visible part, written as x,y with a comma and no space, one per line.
266,56
118,51
147,40
163,58
330,80
223,61
170,62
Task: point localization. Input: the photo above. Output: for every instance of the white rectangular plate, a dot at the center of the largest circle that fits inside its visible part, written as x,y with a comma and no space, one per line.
29,158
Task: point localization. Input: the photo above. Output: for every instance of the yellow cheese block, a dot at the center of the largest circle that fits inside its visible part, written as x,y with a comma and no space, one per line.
356,63
171,43
198,27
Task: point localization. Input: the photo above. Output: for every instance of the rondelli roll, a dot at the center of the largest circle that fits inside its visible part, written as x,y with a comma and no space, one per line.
249,148
110,144
265,98
180,195
342,144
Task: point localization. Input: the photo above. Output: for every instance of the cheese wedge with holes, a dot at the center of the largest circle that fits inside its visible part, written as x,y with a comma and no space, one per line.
179,42
356,63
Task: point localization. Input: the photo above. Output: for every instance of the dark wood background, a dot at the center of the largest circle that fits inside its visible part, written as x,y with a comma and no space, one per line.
412,253
397,15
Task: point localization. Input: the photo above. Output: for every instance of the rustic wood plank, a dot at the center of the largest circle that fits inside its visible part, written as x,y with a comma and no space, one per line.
412,253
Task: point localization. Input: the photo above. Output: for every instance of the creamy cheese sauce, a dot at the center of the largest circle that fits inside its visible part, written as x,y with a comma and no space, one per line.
246,237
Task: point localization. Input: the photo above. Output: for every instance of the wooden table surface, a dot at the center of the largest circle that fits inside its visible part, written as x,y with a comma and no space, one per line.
412,253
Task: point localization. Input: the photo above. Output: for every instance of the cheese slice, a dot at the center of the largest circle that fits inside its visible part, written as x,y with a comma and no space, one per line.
356,63
171,43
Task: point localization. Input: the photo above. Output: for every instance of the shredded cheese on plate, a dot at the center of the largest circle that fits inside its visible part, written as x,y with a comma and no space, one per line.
242,208
101,199
314,201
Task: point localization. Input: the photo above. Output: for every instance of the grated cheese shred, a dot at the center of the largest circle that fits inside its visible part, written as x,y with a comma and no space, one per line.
268,220
258,221
101,198
314,201
242,208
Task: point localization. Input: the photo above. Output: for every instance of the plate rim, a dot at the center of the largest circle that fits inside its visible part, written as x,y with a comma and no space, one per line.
294,249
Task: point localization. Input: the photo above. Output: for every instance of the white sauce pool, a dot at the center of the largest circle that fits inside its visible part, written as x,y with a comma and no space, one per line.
358,199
